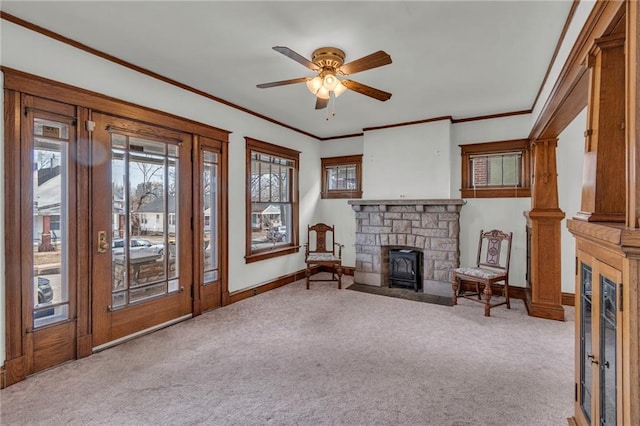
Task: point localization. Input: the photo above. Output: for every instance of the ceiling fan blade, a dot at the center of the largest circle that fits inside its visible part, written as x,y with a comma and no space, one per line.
374,60
321,103
296,57
366,90
282,83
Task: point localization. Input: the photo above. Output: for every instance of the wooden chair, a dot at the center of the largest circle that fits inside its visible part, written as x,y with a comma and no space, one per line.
320,251
491,268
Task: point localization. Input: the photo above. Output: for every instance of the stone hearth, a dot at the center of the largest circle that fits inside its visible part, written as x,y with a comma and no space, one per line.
432,226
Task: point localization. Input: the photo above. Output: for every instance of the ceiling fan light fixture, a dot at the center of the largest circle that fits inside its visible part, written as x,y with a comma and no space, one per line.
330,81
314,84
339,89
323,93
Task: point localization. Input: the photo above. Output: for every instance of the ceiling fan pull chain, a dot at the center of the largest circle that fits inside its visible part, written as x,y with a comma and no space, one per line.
326,117
333,104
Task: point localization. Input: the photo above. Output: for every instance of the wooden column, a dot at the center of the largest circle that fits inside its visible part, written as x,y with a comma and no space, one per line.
603,183
544,290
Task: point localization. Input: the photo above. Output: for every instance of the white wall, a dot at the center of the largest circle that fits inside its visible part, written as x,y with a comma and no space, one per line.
336,211
580,16
489,213
407,162
570,155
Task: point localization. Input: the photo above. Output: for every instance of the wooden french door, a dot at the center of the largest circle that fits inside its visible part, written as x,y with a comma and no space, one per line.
142,273
48,223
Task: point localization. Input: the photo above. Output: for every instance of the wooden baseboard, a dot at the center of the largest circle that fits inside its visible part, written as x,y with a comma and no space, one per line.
516,292
3,380
568,299
13,371
239,295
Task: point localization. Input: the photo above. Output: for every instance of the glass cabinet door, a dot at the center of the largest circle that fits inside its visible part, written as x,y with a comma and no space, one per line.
586,340
598,332
608,324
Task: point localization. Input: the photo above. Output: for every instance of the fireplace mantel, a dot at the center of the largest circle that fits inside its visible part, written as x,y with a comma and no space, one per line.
357,204
429,225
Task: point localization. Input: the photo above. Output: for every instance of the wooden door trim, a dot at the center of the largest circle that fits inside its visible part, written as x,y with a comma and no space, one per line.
15,362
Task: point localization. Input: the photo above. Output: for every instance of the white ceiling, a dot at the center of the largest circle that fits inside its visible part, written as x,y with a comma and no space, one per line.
458,58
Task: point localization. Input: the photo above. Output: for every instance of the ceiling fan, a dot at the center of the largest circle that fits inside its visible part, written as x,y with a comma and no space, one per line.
328,62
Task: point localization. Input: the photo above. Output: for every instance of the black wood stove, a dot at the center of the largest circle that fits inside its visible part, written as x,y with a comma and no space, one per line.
405,268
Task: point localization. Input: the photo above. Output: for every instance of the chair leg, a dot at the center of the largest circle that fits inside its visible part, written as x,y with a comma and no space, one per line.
454,286
478,290
506,293
339,277
308,274
487,300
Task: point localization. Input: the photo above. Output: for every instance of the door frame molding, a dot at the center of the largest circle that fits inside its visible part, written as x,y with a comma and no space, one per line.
16,83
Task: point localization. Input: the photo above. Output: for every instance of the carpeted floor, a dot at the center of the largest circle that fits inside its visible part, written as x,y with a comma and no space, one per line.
315,357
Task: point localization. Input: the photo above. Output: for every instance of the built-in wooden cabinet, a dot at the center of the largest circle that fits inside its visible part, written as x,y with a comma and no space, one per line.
607,233
603,195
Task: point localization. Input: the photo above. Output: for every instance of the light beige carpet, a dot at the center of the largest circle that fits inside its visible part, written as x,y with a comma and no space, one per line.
319,356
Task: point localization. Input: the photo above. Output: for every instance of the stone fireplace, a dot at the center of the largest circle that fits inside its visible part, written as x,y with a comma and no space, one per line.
430,226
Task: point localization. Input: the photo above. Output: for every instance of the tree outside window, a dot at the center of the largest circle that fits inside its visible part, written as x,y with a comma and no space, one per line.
272,200
342,177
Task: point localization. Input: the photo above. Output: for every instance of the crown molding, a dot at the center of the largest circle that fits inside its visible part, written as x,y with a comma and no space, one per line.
66,40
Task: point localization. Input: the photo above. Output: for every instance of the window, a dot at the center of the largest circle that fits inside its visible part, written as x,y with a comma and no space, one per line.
342,177
496,169
272,200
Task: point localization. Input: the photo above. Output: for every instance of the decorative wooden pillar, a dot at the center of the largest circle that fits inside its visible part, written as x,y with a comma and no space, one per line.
544,290
603,183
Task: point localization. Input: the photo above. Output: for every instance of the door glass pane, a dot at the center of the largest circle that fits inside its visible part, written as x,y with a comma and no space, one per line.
210,216
145,215
50,222
608,308
586,379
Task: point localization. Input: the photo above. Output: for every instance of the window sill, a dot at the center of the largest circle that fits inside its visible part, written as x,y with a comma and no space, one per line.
268,254
508,192
341,194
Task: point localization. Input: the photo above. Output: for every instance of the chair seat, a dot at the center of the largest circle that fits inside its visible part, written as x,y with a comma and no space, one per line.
483,273
322,257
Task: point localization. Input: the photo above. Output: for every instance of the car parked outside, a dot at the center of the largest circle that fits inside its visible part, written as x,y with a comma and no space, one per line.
137,245
277,233
45,292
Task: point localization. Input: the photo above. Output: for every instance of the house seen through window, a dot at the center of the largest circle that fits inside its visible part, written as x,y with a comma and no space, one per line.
342,177
496,169
272,200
